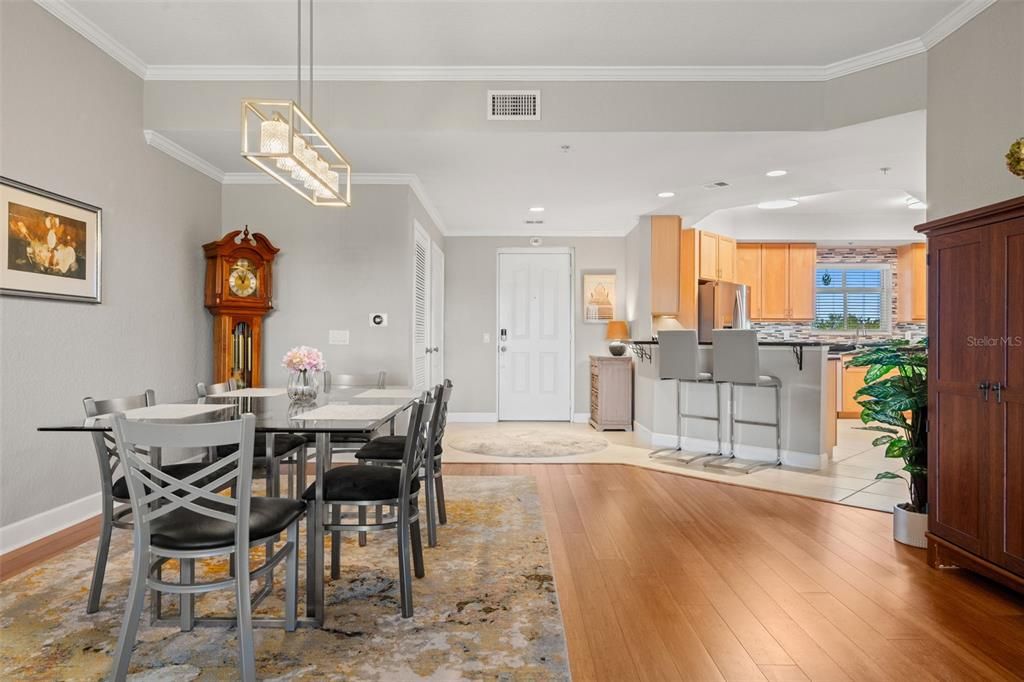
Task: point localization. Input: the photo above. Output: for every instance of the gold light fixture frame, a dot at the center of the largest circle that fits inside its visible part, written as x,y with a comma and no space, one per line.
256,111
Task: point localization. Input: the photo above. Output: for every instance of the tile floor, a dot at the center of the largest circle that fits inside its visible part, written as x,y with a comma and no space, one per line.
849,479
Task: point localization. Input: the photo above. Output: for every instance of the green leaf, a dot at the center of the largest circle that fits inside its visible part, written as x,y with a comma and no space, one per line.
881,440
888,475
916,469
883,429
897,448
876,372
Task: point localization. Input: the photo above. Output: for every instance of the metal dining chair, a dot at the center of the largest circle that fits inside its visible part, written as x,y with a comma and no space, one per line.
271,450
341,442
373,486
113,485
184,518
388,451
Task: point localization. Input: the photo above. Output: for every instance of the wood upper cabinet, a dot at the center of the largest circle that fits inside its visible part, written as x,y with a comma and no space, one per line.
976,391
665,235
783,286
912,283
717,256
748,271
803,259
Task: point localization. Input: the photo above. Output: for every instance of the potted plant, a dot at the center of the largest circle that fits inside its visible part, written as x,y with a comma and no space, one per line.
895,395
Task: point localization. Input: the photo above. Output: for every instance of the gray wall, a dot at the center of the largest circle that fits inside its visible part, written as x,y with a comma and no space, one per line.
335,268
72,124
471,296
975,110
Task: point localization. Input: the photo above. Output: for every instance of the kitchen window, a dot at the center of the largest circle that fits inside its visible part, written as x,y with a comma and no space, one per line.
853,297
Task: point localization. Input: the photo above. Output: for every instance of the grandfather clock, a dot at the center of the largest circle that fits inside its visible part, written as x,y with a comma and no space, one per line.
238,293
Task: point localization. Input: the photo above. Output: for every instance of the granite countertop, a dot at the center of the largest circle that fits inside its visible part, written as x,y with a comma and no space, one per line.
797,343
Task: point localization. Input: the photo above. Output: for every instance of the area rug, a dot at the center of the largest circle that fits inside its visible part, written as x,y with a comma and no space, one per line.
487,609
528,443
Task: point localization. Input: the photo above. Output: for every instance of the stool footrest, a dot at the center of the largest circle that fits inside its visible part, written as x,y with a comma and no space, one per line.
744,466
754,423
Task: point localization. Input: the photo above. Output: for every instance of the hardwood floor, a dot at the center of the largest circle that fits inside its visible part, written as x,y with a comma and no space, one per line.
664,577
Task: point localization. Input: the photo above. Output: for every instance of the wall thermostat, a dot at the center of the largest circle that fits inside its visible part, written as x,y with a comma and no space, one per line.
378,319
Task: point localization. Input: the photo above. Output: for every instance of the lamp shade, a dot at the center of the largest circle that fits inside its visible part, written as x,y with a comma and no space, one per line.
617,330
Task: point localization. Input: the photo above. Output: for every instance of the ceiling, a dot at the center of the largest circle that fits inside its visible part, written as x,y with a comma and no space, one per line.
494,32
482,181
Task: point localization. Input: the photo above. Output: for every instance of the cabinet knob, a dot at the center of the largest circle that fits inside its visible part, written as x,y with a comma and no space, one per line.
983,387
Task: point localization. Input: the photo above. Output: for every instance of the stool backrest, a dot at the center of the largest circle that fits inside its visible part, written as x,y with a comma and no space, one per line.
677,354
155,493
103,441
439,416
735,356
204,390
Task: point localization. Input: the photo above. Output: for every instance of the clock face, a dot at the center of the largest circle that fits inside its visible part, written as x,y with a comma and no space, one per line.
242,280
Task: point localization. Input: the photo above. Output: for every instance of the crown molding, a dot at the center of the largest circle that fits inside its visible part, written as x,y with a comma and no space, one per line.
176,151
963,13
94,34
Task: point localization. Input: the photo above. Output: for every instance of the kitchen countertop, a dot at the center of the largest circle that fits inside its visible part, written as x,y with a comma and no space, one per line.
792,343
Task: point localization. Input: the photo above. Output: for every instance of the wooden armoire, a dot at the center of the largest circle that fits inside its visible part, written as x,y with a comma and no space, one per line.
976,391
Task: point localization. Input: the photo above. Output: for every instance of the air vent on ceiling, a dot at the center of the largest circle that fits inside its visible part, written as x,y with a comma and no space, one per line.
513,105
716,185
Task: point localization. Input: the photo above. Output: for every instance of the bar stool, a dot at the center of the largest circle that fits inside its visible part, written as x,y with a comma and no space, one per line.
735,361
678,361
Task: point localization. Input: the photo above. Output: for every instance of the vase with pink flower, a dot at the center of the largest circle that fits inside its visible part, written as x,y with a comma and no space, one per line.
304,362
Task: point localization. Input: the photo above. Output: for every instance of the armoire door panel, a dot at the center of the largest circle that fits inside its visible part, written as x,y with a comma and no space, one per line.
958,488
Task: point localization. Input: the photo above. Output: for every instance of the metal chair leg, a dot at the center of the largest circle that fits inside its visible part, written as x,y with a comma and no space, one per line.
362,522
186,601
291,579
99,568
404,572
442,510
246,647
336,543
417,549
431,505
133,613
679,425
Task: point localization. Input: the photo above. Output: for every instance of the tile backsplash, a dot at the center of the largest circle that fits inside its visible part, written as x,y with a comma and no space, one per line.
846,255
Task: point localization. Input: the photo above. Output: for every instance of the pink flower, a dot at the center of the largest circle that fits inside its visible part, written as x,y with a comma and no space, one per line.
303,359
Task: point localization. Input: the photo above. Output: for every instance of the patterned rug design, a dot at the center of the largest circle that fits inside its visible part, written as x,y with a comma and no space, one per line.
529,443
487,609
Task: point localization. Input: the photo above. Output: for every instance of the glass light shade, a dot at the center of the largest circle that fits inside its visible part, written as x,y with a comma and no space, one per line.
330,179
274,137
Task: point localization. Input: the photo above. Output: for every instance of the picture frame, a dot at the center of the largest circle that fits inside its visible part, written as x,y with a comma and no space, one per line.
599,296
52,248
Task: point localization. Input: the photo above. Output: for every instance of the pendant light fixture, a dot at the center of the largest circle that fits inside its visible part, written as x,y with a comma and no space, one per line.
282,140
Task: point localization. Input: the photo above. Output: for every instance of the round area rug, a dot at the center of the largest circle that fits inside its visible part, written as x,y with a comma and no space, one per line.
533,443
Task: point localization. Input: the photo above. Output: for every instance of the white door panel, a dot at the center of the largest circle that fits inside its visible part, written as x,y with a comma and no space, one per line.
535,353
420,308
437,315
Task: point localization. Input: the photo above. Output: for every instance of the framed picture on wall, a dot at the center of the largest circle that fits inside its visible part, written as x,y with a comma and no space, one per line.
52,247
598,296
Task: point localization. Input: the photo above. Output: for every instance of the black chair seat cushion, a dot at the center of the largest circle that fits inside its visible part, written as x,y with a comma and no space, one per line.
184,529
283,443
387,448
338,438
182,470
361,484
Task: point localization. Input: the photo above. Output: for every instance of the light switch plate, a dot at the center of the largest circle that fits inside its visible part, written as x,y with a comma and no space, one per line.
378,319
338,337
487,337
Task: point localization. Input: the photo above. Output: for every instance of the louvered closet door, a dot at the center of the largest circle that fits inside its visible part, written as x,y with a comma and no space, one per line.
420,309
534,354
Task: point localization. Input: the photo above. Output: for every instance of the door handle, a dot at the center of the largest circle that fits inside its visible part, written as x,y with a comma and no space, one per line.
983,387
502,348
436,349
998,388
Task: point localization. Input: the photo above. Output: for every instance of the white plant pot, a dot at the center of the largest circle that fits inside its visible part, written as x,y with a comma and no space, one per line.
909,527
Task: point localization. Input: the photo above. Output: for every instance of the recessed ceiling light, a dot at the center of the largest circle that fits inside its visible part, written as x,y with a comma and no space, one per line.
666,195
536,209
778,203
775,173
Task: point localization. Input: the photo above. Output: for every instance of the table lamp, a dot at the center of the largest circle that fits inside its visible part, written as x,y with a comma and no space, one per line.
617,332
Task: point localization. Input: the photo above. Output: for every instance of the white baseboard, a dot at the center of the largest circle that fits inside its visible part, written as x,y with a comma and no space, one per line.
21,533
803,460
473,417
581,418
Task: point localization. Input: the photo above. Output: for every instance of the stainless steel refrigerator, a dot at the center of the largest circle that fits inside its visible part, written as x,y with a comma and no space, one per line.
721,305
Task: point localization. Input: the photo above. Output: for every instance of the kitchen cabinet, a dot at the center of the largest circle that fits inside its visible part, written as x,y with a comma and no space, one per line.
748,271
783,289
717,259
665,237
853,381
976,391
912,283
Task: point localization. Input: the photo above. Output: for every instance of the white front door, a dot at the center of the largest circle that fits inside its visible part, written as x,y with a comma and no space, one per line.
534,336
420,309
436,315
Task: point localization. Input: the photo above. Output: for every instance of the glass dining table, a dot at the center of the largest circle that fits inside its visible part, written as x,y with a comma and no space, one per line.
338,414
